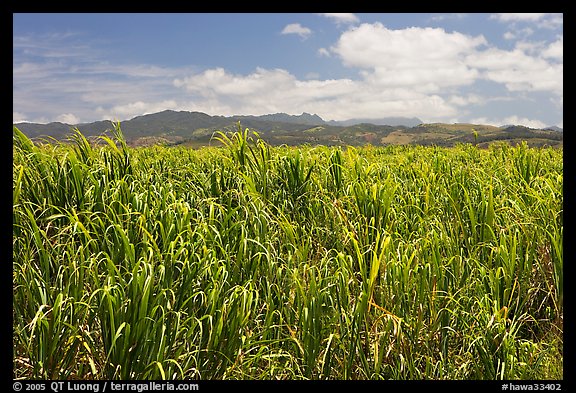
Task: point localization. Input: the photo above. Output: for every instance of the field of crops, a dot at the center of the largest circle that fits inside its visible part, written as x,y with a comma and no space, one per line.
254,262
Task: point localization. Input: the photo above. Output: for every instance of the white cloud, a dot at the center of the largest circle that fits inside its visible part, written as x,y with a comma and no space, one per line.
54,46
443,17
67,118
136,108
509,35
529,47
519,33
54,86
555,50
399,76
518,71
18,117
344,18
218,81
510,120
404,72
323,52
263,84
466,100
538,20
553,21
269,91
27,70
404,57
510,17
297,28
371,45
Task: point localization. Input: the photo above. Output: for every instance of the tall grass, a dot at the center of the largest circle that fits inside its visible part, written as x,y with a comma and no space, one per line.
251,261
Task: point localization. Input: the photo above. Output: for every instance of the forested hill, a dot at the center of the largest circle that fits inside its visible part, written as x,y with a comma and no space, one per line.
197,129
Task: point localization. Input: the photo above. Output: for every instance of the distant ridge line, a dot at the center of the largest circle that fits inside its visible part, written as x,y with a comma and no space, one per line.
197,129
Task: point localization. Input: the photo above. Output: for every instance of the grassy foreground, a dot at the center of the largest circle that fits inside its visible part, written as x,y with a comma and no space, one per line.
258,262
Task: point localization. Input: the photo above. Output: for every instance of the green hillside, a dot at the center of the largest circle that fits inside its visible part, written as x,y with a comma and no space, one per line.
197,129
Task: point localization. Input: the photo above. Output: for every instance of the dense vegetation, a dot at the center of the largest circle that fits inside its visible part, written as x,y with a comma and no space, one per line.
195,129
251,261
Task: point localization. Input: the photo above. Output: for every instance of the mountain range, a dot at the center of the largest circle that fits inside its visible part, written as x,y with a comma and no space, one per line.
197,129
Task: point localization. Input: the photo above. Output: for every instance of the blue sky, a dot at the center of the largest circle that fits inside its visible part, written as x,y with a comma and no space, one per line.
479,68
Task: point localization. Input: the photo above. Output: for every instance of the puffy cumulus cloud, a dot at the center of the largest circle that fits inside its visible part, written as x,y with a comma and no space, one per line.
68,118
407,72
518,71
136,108
343,18
529,47
423,72
217,81
404,72
428,58
297,28
555,50
548,50
266,91
373,45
